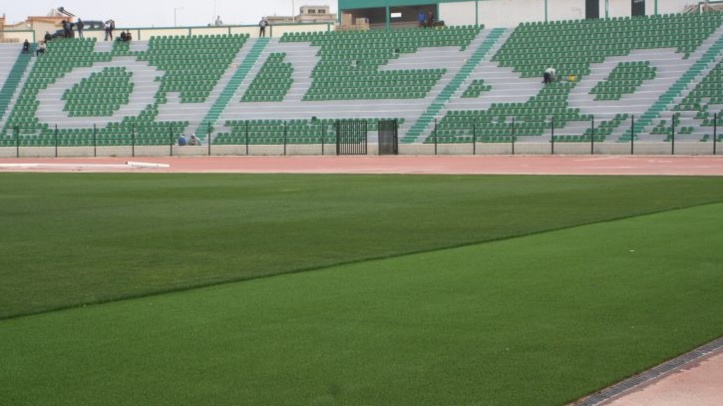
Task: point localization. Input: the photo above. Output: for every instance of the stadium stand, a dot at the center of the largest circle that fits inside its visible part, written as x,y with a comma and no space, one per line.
12,70
449,85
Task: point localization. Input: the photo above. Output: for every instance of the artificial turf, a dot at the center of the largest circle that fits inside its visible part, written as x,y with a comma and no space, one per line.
536,320
73,239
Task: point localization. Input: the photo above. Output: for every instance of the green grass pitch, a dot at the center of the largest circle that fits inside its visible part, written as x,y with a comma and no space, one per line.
419,290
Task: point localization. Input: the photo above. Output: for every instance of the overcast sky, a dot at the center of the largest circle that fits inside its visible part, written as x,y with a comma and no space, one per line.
160,13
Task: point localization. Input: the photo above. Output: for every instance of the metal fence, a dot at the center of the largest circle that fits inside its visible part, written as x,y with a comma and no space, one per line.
511,136
624,132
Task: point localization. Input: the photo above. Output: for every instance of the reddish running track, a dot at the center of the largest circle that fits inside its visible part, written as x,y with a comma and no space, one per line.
461,165
698,384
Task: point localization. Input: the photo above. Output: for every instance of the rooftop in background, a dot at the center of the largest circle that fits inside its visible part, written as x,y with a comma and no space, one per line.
139,13
307,14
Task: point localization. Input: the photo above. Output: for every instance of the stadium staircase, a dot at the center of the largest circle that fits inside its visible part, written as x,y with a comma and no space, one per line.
418,129
229,90
12,80
684,82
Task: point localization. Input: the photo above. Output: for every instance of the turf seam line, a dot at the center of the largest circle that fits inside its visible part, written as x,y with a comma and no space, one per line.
655,373
371,259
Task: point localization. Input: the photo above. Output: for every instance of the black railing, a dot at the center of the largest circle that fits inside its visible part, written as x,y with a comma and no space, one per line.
505,135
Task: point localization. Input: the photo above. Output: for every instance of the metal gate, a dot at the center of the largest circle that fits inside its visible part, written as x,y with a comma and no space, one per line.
637,8
351,137
388,137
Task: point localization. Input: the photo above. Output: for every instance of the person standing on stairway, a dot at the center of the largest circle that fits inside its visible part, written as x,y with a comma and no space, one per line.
79,26
262,27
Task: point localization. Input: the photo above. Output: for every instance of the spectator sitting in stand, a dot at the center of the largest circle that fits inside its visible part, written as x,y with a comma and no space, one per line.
66,28
129,37
26,47
218,21
123,36
47,36
41,48
549,75
194,140
181,140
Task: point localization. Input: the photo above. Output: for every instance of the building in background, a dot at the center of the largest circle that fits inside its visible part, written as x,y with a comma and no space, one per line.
34,28
391,14
307,14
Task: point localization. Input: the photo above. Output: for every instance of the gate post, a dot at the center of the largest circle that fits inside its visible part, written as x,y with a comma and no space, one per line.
365,124
321,127
396,136
338,137
715,132
672,132
474,139
95,140
552,135
208,138
592,136
513,135
17,143
247,137
435,136
632,135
